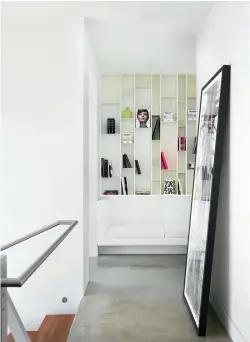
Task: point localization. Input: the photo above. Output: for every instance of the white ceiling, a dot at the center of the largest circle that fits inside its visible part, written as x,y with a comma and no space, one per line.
128,35
179,16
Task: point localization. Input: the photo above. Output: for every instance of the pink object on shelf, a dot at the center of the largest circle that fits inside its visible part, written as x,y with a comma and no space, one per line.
164,161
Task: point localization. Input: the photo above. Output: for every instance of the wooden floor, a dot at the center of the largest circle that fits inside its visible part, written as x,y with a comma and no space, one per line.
54,328
32,335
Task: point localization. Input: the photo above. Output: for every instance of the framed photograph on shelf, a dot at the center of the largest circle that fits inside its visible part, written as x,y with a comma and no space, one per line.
168,117
213,118
143,118
192,115
127,138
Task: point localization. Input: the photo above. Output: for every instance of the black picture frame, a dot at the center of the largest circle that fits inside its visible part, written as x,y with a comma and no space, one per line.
213,118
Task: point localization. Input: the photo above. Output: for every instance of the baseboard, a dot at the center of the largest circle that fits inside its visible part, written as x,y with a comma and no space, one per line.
106,250
226,320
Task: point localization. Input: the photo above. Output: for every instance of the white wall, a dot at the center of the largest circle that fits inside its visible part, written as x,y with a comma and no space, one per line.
42,153
91,107
225,39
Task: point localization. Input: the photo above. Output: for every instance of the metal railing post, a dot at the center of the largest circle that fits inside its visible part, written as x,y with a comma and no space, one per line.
4,328
15,324
9,314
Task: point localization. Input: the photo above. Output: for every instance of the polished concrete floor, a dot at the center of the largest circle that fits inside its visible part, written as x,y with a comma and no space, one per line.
138,299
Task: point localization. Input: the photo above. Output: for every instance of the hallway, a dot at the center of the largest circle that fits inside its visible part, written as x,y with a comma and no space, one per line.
138,299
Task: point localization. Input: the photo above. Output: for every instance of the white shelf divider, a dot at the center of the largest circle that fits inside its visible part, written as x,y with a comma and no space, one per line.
161,121
186,131
120,110
134,131
151,124
177,119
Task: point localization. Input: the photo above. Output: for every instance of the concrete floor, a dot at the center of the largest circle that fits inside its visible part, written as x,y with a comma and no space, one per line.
138,299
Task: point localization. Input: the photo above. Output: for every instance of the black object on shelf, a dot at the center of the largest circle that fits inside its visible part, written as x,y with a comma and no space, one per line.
124,186
106,168
156,127
195,146
191,165
137,166
126,161
110,192
110,170
111,126
102,167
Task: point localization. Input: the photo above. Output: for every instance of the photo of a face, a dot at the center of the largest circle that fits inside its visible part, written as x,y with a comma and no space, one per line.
142,118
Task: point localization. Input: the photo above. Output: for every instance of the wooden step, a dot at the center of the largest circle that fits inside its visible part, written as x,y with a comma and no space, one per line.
55,328
32,334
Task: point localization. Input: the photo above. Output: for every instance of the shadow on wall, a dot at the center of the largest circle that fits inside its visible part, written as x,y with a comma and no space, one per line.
220,286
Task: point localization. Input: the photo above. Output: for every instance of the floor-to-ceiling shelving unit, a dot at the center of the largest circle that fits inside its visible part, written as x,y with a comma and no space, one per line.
158,94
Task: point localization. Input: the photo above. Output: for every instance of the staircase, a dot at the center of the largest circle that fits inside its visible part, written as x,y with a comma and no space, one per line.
54,328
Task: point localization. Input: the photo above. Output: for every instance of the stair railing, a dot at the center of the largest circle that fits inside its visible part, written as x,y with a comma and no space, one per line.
9,314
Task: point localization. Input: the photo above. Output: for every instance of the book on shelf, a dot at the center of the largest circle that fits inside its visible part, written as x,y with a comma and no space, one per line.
168,117
181,143
124,185
156,122
142,191
164,161
123,161
126,161
180,189
110,192
137,166
106,168
194,146
110,169
169,186
111,126
102,167
191,115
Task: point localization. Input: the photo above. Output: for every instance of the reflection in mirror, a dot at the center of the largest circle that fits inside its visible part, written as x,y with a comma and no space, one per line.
210,111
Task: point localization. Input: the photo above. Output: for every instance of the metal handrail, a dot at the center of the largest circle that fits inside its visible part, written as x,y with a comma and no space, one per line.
18,282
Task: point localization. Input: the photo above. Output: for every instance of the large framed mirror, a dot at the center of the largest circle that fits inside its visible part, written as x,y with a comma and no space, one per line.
213,117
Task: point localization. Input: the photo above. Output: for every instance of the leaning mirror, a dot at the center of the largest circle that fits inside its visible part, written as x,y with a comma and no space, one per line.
213,117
